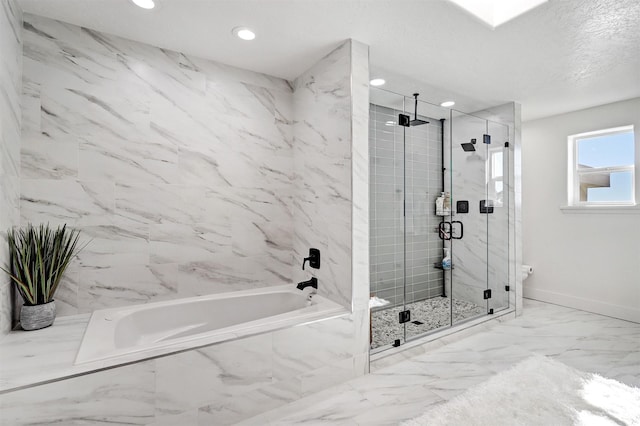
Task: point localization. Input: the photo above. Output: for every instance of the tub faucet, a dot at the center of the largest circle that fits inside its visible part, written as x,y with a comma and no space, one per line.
313,282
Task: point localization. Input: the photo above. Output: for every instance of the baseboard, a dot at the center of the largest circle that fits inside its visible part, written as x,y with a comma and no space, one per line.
597,307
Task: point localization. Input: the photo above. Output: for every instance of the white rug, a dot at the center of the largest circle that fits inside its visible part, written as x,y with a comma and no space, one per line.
539,391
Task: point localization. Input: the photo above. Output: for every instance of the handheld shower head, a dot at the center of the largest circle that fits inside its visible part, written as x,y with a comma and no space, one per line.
469,146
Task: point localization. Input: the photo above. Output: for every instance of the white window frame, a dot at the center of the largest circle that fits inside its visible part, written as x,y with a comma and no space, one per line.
574,173
492,194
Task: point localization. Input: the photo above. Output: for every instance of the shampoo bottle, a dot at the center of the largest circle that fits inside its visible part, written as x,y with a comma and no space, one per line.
446,260
447,203
440,205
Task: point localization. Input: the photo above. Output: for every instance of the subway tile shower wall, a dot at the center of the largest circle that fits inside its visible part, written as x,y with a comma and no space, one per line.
405,166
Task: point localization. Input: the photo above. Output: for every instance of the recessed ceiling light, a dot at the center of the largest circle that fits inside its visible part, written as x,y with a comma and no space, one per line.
145,4
497,12
447,104
377,82
244,33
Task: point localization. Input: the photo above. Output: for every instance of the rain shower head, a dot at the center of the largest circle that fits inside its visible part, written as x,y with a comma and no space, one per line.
469,146
416,121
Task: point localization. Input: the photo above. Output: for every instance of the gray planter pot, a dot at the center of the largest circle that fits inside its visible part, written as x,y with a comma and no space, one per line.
37,316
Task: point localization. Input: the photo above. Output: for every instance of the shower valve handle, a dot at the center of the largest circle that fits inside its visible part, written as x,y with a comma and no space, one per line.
314,259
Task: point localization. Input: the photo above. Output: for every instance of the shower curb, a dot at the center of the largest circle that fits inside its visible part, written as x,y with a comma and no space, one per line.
437,339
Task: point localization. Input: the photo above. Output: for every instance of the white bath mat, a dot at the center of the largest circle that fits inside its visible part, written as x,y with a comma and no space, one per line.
540,391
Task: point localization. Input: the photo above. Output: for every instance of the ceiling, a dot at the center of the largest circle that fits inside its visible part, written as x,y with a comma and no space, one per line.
562,56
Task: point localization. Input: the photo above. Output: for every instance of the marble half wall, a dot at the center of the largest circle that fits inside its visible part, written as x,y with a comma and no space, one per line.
178,169
322,173
10,128
219,384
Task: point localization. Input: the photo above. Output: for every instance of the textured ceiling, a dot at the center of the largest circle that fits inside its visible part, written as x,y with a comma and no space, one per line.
562,56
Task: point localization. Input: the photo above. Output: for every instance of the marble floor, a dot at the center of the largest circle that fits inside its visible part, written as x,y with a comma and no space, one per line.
390,395
431,314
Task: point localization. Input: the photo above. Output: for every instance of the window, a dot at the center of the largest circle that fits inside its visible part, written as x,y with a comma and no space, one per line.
602,167
496,176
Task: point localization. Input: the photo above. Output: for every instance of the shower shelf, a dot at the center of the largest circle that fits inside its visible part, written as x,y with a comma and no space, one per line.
439,266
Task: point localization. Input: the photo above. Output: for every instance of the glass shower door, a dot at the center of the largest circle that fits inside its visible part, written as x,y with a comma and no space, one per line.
429,310
497,179
387,225
411,166
470,211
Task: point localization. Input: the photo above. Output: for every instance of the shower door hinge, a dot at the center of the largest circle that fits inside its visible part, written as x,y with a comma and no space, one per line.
404,316
506,144
491,311
487,294
506,288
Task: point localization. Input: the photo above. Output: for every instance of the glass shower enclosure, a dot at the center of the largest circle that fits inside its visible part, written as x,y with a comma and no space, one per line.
413,163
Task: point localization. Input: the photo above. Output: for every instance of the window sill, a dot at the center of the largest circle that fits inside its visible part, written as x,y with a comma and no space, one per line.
629,209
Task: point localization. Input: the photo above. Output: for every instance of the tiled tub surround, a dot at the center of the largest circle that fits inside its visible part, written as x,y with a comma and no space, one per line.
178,169
423,172
217,384
10,124
141,173
322,158
87,343
187,175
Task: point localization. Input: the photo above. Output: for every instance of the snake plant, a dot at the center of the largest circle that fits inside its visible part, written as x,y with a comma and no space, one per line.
38,258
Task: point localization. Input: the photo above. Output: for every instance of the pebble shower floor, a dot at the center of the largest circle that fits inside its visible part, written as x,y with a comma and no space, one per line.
432,313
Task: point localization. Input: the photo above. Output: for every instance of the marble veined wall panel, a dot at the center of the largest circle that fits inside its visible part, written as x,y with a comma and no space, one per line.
219,384
178,169
360,173
322,172
230,234
10,128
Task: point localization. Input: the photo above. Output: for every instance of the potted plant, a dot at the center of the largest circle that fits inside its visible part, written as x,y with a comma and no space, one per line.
38,257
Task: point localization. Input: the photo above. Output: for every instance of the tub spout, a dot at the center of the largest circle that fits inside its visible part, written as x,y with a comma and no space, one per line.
313,282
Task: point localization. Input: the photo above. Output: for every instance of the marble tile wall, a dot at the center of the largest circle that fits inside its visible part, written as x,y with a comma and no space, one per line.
360,182
516,297
322,172
141,232
10,129
178,169
215,385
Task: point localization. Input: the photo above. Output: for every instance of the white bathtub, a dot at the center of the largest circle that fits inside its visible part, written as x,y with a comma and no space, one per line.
136,332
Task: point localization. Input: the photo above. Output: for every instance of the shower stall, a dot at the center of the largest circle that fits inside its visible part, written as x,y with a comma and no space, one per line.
418,151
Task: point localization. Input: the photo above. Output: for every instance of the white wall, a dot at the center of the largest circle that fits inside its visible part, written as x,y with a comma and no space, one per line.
585,260
10,119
